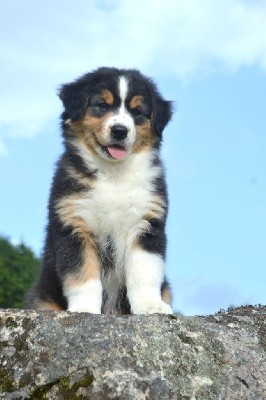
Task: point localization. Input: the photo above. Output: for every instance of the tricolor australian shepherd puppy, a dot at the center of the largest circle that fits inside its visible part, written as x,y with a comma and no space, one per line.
105,246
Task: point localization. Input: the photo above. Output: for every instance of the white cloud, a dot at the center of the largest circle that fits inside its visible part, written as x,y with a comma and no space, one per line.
47,43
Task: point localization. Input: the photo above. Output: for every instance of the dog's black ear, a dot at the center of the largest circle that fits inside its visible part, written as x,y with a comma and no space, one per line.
75,99
162,112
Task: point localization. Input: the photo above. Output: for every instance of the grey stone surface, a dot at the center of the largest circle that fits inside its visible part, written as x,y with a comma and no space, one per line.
61,355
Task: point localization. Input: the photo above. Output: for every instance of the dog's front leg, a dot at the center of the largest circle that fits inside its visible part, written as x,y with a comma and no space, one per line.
79,270
144,278
83,296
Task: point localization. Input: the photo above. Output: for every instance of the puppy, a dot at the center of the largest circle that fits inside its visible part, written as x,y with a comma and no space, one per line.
106,244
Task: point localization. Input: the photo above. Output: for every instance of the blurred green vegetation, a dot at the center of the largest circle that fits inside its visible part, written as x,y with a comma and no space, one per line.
18,270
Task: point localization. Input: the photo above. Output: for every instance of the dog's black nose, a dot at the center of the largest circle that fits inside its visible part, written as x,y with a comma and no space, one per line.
119,132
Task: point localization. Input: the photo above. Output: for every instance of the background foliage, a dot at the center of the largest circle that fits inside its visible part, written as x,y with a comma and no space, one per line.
18,270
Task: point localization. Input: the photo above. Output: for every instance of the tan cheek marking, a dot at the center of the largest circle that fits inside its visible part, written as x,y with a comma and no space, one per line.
145,137
167,296
85,126
135,102
95,132
49,306
94,124
91,130
108,97
90,269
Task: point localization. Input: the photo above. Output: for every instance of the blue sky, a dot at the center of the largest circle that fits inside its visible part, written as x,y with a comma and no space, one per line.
210,58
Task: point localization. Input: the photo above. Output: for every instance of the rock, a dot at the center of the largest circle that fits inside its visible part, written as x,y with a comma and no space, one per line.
62,355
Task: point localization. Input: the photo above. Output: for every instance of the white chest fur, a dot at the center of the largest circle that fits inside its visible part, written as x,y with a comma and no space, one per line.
115,207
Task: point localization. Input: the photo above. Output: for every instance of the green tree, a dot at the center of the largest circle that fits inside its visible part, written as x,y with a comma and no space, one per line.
18,270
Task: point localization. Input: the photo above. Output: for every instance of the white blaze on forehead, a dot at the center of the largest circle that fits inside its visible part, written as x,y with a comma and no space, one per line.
123,90
122,116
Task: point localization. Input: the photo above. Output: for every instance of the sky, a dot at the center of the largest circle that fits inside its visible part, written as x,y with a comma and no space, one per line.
207,56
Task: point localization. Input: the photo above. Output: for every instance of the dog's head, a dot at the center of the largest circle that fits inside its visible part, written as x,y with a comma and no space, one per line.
114,112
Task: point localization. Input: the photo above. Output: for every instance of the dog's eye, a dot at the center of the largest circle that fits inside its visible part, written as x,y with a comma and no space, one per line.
136,112
102,106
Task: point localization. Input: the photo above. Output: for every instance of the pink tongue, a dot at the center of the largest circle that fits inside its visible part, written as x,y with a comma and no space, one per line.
117,152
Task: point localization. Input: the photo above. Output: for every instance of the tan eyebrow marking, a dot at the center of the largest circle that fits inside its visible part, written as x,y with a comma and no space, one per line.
135,102
108,97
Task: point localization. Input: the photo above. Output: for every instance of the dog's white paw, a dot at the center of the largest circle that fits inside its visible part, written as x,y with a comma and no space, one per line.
152,307
90,310
86,297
